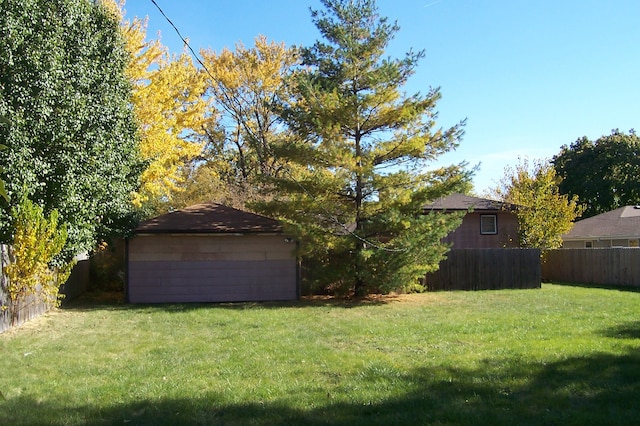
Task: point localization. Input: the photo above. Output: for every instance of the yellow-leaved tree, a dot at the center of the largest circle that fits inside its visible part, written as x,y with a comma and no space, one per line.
37,240
544,214
170,107
245,85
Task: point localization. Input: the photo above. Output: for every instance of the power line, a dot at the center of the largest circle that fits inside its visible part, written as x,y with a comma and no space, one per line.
326,212
184,40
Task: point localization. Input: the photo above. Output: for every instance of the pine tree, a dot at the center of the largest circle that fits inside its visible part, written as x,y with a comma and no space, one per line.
357,167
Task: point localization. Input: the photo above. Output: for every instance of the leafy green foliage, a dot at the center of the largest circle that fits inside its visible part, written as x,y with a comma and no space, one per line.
604,174
72,138
356,175
3,190
37,240
543,213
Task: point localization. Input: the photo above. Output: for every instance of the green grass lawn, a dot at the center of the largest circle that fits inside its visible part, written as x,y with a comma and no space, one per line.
556,356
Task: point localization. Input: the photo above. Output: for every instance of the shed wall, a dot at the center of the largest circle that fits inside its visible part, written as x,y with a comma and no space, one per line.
211,268
468,235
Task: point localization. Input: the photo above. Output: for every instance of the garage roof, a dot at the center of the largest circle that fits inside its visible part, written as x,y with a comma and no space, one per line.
466,202
209,218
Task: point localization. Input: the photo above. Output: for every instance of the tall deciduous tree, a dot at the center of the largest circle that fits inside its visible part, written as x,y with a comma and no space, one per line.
169,105
71,134
245,84
604,174
3,189
543,213
357,178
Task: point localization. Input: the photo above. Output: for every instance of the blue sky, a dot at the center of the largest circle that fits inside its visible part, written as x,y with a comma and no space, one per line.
529,76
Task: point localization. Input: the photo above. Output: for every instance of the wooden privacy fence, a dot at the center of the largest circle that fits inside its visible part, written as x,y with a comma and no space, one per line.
26,310
487,269
31,307
604,266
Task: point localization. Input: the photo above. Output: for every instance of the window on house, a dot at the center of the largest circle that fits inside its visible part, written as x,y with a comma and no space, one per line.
488,224
633,243
588,244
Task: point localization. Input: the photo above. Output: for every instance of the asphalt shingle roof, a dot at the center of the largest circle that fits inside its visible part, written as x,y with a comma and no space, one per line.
209,218
466,202
621,222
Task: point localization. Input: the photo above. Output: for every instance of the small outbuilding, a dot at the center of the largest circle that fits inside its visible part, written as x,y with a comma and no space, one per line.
486,224
211,253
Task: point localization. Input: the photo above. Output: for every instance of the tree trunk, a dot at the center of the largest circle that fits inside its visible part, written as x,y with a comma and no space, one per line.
360,288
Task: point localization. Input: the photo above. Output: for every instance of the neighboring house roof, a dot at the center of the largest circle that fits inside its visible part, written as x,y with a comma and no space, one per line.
459,202
623,222
209,218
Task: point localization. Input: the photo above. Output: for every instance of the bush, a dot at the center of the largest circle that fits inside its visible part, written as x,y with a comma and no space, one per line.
33,269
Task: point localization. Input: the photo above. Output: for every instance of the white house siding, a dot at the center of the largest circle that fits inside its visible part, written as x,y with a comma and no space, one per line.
211,268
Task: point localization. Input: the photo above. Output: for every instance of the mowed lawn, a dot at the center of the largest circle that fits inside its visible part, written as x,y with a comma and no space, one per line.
557,356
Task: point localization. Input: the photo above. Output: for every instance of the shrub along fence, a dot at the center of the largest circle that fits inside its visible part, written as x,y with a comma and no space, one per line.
603,266
26,310
487,269
31,307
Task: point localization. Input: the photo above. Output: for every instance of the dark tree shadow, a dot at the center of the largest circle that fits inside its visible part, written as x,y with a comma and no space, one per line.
116,302
630,330
601,389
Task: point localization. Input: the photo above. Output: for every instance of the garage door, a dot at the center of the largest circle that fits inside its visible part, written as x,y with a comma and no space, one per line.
210,268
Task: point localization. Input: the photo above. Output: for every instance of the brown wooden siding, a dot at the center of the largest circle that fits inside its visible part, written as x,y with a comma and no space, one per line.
213,268
468,233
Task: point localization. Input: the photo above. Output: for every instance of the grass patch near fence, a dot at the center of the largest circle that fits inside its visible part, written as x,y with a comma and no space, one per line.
559,355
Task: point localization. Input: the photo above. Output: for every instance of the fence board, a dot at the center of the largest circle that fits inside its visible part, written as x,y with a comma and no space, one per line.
77,282
487,269
31,307
28,309
602,266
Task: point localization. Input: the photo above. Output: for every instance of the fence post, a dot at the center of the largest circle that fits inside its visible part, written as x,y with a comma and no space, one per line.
5,317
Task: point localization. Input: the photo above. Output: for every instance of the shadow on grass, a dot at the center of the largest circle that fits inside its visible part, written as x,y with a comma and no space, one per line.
116,301
629,330
599,389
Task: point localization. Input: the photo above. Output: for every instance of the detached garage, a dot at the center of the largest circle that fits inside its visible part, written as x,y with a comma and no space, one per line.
210,253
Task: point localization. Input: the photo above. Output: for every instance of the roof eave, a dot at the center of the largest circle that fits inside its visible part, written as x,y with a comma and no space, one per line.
601,237
206,232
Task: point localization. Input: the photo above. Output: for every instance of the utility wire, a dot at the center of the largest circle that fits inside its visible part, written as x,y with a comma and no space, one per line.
184,40
326,212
